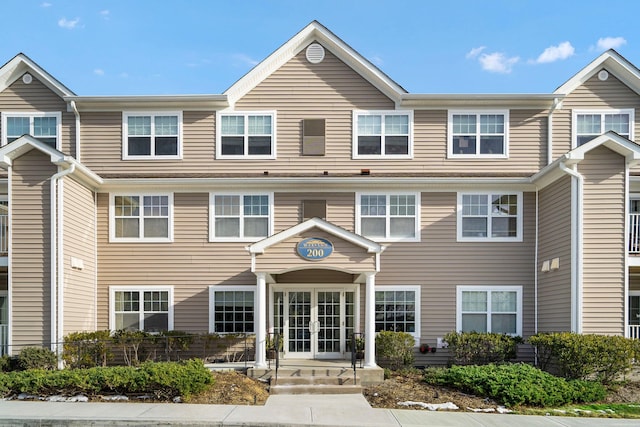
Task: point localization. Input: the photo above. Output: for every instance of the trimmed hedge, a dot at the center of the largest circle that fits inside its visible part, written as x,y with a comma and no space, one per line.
395,349
476,348
516,384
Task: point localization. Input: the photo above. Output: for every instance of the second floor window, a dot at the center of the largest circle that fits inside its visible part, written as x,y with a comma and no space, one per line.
246,135
382,134
141,217
148,136
45,127
590,124
240,217
495,216
478,134
390,217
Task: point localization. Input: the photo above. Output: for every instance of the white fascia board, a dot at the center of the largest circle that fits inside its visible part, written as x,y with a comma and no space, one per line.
149,102
509,101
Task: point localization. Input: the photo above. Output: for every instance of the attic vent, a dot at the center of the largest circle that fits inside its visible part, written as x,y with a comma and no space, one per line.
603,75
27,79
315,53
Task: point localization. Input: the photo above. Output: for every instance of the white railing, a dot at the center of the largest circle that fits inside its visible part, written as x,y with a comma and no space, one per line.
634,233
4,339
4,234
634,332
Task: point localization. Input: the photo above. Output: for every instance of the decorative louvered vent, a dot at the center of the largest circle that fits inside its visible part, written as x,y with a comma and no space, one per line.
315,53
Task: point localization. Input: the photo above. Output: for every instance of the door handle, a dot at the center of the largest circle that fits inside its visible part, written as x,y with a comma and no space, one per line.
314,326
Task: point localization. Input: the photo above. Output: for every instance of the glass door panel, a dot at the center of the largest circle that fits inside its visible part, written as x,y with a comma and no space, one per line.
329,336
298,319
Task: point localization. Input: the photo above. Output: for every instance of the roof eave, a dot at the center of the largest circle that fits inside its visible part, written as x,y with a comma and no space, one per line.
149,102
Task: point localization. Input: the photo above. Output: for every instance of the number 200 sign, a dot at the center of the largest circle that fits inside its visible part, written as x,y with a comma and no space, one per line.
314,248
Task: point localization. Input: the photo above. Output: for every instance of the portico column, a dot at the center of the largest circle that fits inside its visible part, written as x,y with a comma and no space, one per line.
369,321
261,321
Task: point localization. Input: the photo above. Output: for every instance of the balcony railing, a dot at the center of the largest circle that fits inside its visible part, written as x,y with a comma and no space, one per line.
4,234
4,339
634,332
634,233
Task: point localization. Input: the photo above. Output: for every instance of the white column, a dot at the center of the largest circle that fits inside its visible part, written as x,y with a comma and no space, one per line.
261,321
370,321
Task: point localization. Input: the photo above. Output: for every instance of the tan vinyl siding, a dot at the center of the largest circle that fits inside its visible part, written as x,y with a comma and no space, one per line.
554,287
31,248
340,209
37,97
604,222
79,242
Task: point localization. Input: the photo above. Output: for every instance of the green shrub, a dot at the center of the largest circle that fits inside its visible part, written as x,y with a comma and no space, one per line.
395,349
132,344
8,363
516,384
37,358
87,349
475,348
604,358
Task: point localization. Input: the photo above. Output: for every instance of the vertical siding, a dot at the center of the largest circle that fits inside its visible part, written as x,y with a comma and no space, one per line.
554,287
604,224
79,242
31,248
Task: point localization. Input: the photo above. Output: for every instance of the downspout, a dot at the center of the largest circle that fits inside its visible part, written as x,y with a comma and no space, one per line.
56,261
535,273
576,246
73,106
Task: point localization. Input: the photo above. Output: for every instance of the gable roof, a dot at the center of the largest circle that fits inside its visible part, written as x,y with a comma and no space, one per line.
318,33
21,64
613,62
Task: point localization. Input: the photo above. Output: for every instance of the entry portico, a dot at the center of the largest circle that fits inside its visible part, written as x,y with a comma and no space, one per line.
314,294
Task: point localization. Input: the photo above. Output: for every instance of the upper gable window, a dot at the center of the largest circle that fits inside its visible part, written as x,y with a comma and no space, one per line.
383,134
589,124
246,135
478,134
152,136
45,127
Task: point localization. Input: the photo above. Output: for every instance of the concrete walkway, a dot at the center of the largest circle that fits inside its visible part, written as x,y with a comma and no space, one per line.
280,410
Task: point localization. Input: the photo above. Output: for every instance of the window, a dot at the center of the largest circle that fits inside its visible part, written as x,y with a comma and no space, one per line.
45,127
236,217
493,216
494,309
383,134
242,135
141,217
231,309
141,309
589,124
392,217
152,136
478,134
398,309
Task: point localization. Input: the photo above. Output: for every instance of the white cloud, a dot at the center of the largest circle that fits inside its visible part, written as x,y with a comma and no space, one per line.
105,14
606,43
98,72
497,62
555,53
45,4
473,53
68,24
245,59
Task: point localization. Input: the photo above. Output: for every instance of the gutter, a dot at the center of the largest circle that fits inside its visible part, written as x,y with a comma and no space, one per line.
74,107
577,185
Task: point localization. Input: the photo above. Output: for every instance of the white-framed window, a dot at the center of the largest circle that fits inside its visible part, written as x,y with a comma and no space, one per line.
243,135
148,308
397,308
496,309
45,127
387,134
148,135
240,217
388,216
473,134
588,124
232,309
495,216
141,217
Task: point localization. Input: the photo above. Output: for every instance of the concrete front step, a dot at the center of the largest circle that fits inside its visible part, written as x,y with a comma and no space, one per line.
315,389
310,380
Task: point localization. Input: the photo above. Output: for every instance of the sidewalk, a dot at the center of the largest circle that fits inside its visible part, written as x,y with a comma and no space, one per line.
283,410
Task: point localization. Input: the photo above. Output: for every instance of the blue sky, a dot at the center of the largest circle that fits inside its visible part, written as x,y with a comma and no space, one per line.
123,47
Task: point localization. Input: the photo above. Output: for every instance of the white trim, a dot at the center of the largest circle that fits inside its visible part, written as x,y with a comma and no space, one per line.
152,115
477,113
519,217
241,216
383,113
212,300
387,238
246,155
140,289
625,227
418,302
141,239
10,260
493,288
32,115
602,112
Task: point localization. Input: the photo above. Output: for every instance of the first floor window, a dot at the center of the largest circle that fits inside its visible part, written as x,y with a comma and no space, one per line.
388,216
383,134
589,124
495,309
397,309
231,309
149,310
142,217
45,127
492,216
240,216
246,135
478,134
152,135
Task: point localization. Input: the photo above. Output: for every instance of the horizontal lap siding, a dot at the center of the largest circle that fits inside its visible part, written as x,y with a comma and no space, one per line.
554,287
604,254
79,242
288,209
31,248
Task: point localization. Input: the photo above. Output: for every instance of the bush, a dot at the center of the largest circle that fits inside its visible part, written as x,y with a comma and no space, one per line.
87,349
132,343
37,358
475,348
395,349
577,356
516,384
